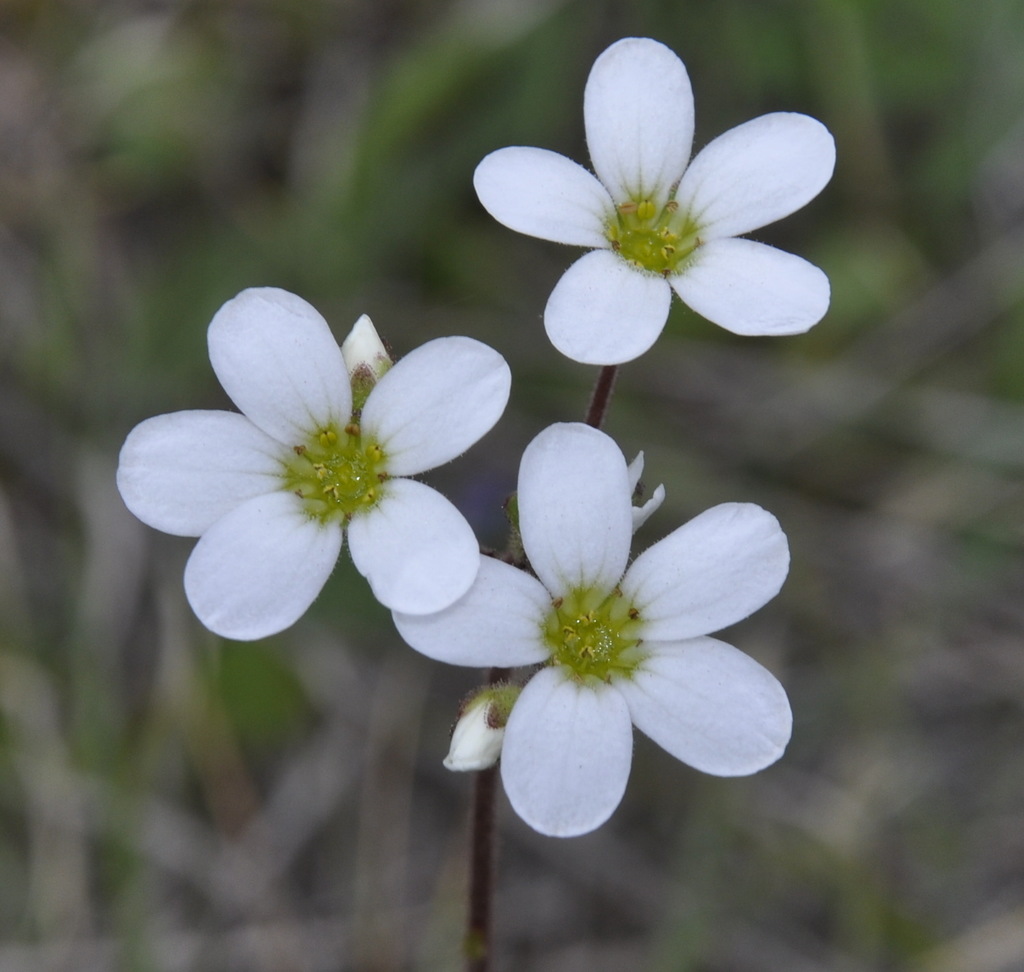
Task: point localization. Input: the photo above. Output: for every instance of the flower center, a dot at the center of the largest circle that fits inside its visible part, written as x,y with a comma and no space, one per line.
594,635
652,240
337,473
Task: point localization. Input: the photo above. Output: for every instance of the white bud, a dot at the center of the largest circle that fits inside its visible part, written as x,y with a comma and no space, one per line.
642,513
363,348
476,745
635,470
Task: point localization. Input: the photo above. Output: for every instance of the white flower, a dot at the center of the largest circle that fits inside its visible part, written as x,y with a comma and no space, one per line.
619,645
271,492
655,224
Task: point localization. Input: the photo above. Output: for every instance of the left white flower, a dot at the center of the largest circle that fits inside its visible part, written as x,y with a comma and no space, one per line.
272,491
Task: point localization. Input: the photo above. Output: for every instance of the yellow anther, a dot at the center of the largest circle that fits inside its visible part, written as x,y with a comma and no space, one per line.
645,209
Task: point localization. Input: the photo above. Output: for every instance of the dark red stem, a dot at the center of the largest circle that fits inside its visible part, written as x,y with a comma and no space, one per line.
602,396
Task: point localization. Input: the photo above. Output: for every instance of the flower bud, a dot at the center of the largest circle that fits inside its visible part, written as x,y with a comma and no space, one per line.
480,731
366,358
642,513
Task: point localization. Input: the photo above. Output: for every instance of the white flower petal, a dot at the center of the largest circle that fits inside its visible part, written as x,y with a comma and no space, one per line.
544,194
496,622
436,402
277,359
710,705
604,311
709,573
416,550
575,508
567,754
258,569
753,289
638,113
757,173
181,472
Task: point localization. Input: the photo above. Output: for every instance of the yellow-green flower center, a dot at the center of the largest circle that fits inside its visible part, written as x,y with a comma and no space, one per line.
594,635
337,473
652,239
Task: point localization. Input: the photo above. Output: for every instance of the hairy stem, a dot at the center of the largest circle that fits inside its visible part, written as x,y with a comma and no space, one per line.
482,860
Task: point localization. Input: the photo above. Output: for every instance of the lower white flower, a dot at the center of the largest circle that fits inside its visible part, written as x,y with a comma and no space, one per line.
271,492
619,645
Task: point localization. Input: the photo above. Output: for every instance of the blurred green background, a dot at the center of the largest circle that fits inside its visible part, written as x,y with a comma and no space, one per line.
170,801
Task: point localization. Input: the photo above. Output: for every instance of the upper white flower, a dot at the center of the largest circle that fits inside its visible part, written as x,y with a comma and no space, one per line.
270,492
657,224
619,644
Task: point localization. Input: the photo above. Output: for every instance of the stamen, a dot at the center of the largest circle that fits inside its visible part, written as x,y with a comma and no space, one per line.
649,239
336,473
594,635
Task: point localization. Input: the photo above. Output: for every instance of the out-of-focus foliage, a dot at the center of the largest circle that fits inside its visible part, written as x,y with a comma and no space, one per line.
171,802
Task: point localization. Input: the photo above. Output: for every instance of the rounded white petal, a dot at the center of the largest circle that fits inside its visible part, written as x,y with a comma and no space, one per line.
753,289
181,472
498,621
415,548
710,705
436,402
575,508
567,754
757,173
258,569
544,194
711,572
604,311
638,113
278,361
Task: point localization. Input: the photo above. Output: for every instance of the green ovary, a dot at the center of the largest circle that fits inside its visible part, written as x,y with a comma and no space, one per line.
651,240
594,635
337,473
